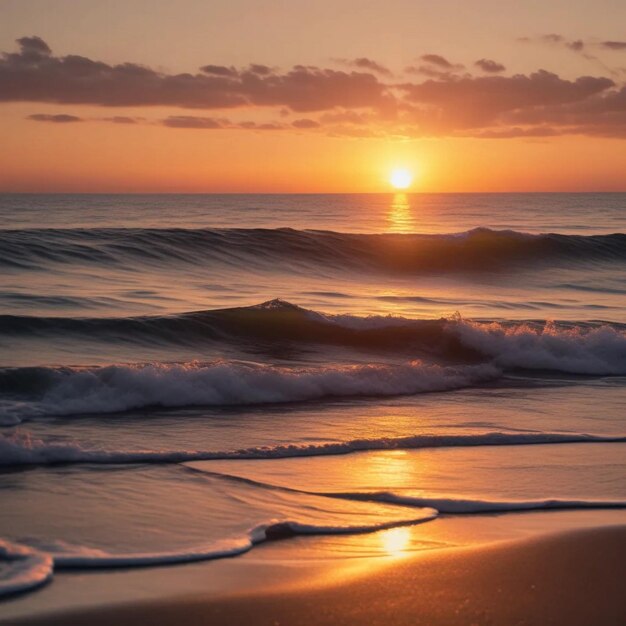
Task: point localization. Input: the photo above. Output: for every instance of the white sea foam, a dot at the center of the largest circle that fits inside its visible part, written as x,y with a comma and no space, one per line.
21,449
578,350
122,387
22,567
31,566
467,506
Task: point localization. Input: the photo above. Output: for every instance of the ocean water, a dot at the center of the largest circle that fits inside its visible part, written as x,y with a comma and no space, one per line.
184,377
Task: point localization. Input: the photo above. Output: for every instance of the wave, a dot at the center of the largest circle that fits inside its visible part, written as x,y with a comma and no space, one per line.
32,566
458,506
590,348
19,449
477,250
36,564
23,568
116,388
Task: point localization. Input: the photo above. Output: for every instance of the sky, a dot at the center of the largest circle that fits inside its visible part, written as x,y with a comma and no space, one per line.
325,96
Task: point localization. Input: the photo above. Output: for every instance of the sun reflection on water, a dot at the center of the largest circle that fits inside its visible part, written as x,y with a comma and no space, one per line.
400,217
395,541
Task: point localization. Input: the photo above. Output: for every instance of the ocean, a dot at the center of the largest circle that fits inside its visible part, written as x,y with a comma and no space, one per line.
183,377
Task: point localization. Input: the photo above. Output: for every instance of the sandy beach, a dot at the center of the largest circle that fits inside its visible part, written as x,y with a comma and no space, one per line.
575,576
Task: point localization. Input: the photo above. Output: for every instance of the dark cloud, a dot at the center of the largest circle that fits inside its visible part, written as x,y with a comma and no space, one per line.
601,114
192,121
551,38
212,123
55,119
429,71
121,119
306,88
487,65
34,74
514,132
470,102
363,63
219,70
576,45
261,70
34,46
305,123
448,102
258,126
438,60
614,45
435,66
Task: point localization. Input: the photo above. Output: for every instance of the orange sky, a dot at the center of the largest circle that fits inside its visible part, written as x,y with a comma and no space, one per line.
296,98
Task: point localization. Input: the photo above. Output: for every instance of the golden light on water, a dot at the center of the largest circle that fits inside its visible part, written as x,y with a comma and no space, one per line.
400,216
400,178
395,540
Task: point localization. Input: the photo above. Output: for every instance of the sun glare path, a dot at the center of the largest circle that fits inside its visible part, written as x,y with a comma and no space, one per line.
400,217
401,178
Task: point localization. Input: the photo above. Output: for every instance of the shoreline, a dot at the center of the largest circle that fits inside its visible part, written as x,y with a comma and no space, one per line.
545,568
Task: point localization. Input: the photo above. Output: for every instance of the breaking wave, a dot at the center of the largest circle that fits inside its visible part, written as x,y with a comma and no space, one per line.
115,388
591,348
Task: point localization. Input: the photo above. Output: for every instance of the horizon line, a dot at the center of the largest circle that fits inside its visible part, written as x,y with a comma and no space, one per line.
298,193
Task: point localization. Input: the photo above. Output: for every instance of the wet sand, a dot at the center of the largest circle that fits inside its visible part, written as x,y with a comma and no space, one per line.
574,577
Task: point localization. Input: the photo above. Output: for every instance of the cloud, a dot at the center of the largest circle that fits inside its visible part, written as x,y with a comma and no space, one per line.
440,100
434,66
259,126
212,123
514,132
579,46
363,63
55,119
551,38
121,119
192,121
487,65
219,70
34,47
438,60
429,71
614,45
602,114
470,102
305,123
34,74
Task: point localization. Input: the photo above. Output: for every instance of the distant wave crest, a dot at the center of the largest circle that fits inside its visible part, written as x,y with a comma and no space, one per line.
480,249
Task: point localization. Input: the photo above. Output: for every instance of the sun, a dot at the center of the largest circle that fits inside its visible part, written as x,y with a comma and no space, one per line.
401,178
